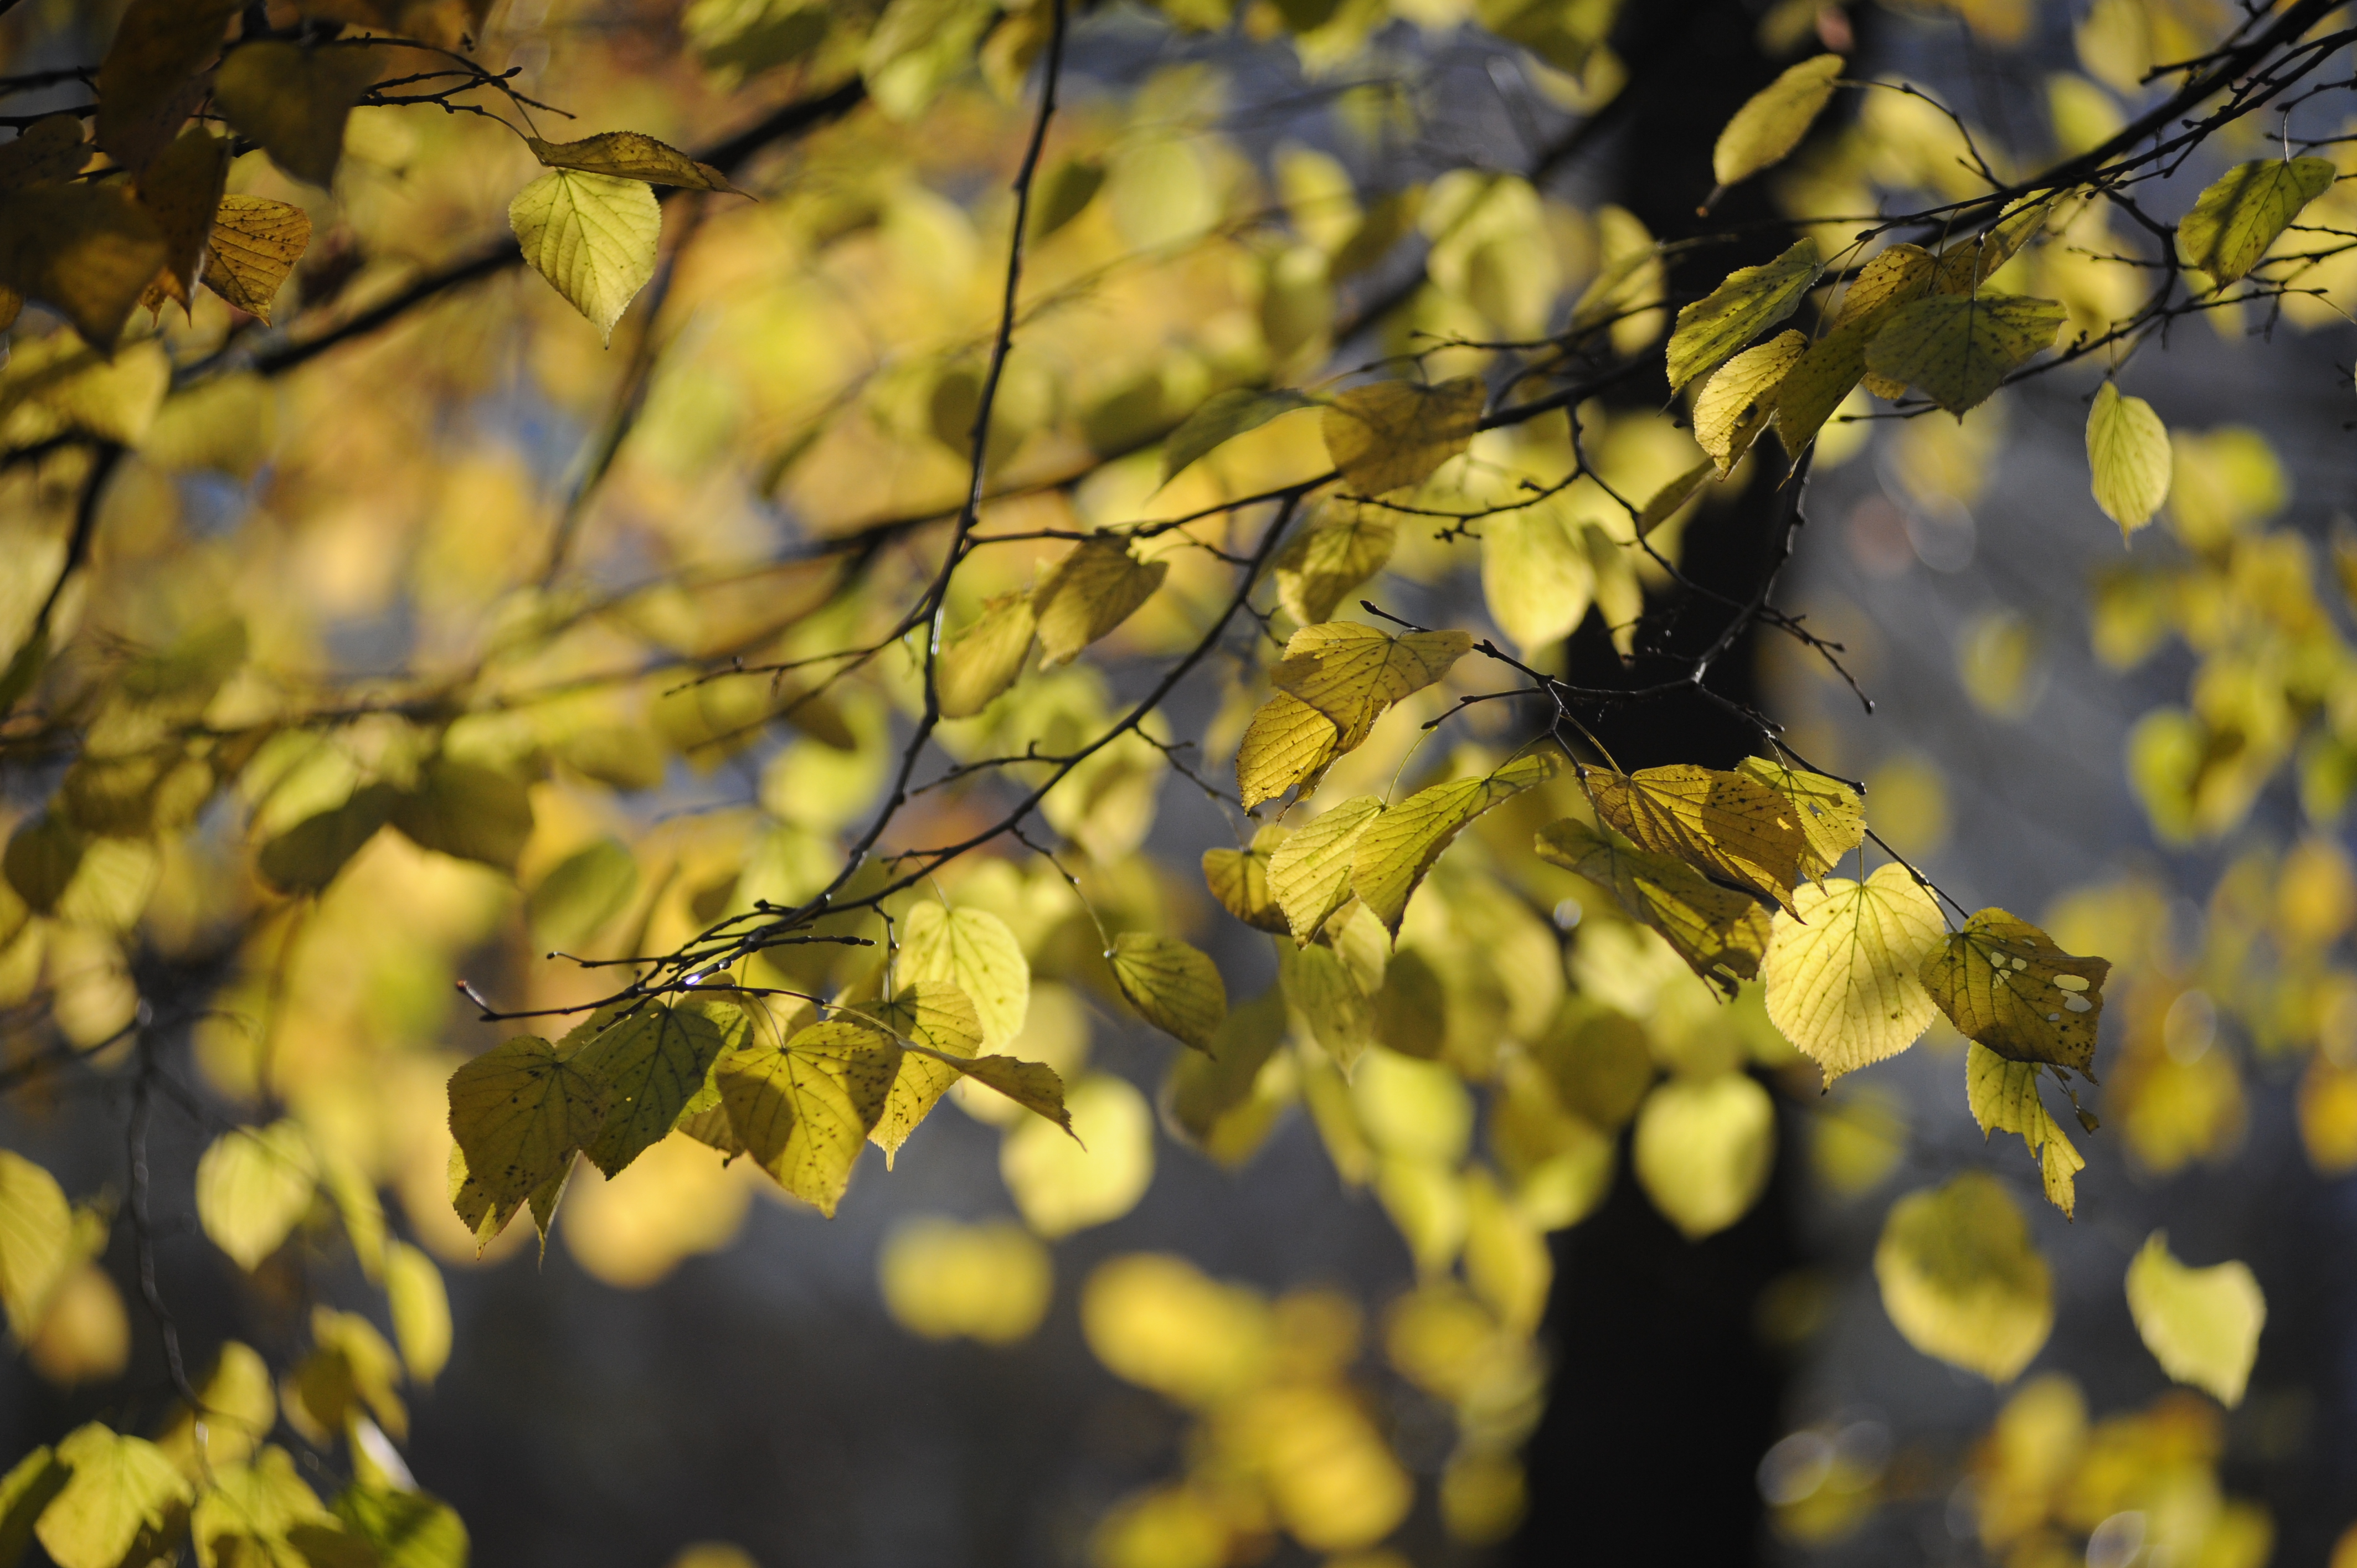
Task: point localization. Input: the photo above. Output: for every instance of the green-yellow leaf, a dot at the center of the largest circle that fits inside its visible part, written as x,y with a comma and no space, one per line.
1772,121
1664,502
241,1406
804,1111
253,1184
1095,588
581,893
36,1241
1750,300
1958,349
2234,221
1721,934
2202,1325
645,1065
1239,879
409,1529
1319,986
629,155
1703,1150
147,83
1391,856
1175,987
24,1491
519,1113
1841,971
1961,1280
2003,982
1968,263
254,244
2128,459
1350,674
1343,545
1222,418
1735,403
1536,576
2004,1098
466,810
295,100
1391,434
307,856
1728,826
421,1310
940,1018
1831,814
1035,1086
120,1487
915,47
249,1512
1061,1184
987,657
88,250
974,950
1288,743
592,236
1819,380
1309,873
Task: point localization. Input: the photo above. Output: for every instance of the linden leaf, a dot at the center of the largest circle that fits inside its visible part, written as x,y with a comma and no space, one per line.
2234,221
1095,588
88,250
182,190
804,1111
646,1065
148,81
409,1529
1288,743
2202,1325
2128,459
1750,300
24,1491
420,1306
120,1486
1737,404
1097,1173
295,100
520,1112
1728,826
1841,971
1239,879
582,893
1343,546
2004,1098
940,1018
629,155
2003,982
1968,263
36,1241
1773,120
253,1184
307,856
1957,349
1703,1149
592,236
985,659
1831,814
1319,986
465,809
46,151
1350,674
253,246
1035,1086
974,950
1720,933
1818,381
1309,873
1961,1279
1222,418
1665,502
1536,576
1395,850
240,1402
1391,434
1175,987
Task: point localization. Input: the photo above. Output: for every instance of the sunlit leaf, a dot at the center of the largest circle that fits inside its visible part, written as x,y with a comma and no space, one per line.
1390,858
582,893
1310,873
1222,418
1239,879
1737,402
974,950
1772,121
1966,265
408,1529
1703,1150
241,1406
803,1110
36,1241
1340,548
1841,969
1664,504
1749,302
592,236
254,244
420,1308
629,155
1391,434
1288,743
465,809
295,100
939,1017
1061,1184
1957,349
985,659
2202,1325
2003,982
1536,576
520,1112
24,1491
2128,457
1728,826
645,1065
307,856
253,1184
1831,813
1350,674
2004,1098
120,1486
1961,1279
1722,934
1095,588
1819,380
1175,987
2234,221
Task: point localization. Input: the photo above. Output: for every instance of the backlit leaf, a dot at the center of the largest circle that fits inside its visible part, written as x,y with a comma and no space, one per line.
985,659
1772,121
1819,380
2128,459
2234,221
1831,814
409,1529
24,1491
182,192
295,100
1536,576
1728,826
1737,404
1239,879
119,1487
1665,503
582,893
1391,856
1222,418
1288,743
147,82
2004,1098
254,244
253,1184
1319,986
1841,971
1961,1279
2202,1325
421,1310
592,236
1309,873
1703,1150
646,1065
87,250
240,1405
520,1112
803,1110
974,950
307,856
939,1017
1720,933
1391,434
2003,982
1350,674
1175,987
248,1513
1342,547
629,155
1061,1184
1749,302
1095,588
1957,349
1963,266
466,810
36,1241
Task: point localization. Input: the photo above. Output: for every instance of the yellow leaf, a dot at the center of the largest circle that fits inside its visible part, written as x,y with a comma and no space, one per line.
1957,349
937,1015
629,155
255,1513
1728,826
1821,378
1772,121
1665,502
803,1110
974,950
1720,933
1309,873
1063,1184
1095,588
466,810
1343,545
582,893
645,1065
1703,1150
518,1112
2234,221
86,249
1840,970
1319,986
985,659
294,101
46,151
1221,419
941,1280
1535,576
1350,674
253,1184
240,1405
182,190
147,82
1288,743
1392,855
1156,1320
254,244
1737,404
1239,879
1035,1086
2202,1325
1961,1280
1506,1258
1968,263
1831,814
1391,434
2004,1098
592,236
24,1491
2128,457
421,1310
119,1487
2003,982
1175,987
1749,302
36,1241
